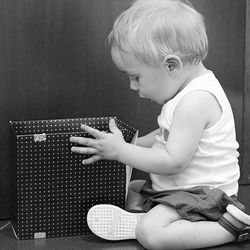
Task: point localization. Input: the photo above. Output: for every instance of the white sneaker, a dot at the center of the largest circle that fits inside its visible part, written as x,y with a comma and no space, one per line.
112,223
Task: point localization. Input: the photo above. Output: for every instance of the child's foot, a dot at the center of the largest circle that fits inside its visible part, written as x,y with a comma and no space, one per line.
112,223
241,217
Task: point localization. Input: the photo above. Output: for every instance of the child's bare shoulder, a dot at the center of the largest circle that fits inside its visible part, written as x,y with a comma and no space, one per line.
200,104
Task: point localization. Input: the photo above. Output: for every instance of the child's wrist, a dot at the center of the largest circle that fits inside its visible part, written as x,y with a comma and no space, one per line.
120,151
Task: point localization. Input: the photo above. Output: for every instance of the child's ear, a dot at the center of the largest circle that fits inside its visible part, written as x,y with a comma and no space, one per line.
173,63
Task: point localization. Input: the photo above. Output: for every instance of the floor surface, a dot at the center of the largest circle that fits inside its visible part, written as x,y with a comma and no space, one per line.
9,242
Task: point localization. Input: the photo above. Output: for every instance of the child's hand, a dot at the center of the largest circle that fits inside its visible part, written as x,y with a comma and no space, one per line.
103,146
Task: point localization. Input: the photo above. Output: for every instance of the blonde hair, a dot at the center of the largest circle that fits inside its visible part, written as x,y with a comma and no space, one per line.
154,29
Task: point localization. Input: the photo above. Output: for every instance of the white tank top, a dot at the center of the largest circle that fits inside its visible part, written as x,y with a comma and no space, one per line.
215,162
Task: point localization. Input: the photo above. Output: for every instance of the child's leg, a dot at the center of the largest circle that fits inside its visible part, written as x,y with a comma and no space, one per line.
134,199
163,228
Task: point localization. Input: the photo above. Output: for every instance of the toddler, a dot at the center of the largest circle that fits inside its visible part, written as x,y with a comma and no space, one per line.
190,200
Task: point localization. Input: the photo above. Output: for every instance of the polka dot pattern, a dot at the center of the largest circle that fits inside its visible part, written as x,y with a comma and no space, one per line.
54,190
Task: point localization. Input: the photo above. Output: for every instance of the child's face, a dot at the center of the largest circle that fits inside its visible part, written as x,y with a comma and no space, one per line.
151,82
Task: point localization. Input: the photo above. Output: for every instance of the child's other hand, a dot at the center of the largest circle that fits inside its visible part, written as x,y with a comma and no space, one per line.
102,146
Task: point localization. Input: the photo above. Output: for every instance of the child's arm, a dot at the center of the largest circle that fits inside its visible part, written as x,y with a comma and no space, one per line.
193,114
112,146
148,139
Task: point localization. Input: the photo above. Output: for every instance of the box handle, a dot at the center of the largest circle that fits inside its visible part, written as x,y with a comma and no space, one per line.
39,137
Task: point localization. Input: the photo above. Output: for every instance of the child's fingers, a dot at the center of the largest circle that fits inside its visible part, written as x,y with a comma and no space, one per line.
92,159
84,150
113,127
92,131
83,141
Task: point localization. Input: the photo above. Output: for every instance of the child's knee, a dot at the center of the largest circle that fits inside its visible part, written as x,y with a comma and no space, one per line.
136,185
146,235
134,198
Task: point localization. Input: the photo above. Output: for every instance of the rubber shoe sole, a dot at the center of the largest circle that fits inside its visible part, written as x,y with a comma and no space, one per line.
112,223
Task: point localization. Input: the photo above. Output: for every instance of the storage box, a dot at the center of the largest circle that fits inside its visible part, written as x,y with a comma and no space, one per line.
54,190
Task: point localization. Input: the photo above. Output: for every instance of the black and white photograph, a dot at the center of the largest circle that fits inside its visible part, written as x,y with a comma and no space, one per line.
124,124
